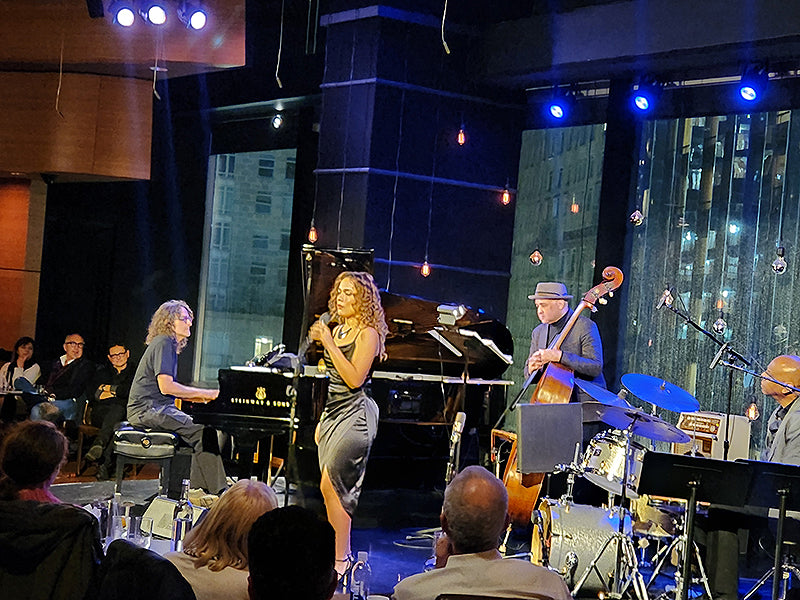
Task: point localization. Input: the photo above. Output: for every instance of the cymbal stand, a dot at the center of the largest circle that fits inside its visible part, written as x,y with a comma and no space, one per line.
678,544
626,552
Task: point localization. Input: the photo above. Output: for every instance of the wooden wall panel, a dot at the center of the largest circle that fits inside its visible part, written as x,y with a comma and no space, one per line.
105,129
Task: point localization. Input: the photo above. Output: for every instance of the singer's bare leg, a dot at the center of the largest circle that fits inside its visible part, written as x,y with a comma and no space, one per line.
339,520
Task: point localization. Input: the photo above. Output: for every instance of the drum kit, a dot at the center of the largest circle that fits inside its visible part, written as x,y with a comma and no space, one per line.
592,547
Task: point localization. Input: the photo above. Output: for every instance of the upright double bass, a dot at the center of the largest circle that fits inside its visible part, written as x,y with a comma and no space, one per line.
554,386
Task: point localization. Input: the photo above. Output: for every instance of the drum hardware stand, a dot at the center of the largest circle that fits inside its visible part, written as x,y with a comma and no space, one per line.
626,553
679,544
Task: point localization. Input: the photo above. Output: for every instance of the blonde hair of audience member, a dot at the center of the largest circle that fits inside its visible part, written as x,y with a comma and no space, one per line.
163,321
31,457
368,307
220,540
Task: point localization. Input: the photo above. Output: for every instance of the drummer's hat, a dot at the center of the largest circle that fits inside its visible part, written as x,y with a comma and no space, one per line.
550,290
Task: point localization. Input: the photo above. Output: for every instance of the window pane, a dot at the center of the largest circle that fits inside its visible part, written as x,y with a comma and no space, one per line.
717,206
245,284
558,218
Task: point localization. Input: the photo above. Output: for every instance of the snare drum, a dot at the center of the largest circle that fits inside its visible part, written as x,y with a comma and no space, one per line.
568,537
604,463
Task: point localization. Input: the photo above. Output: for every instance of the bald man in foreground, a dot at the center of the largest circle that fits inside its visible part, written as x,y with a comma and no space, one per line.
474,515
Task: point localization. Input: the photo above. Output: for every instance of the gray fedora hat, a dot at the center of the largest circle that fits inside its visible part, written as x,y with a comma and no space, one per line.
550,290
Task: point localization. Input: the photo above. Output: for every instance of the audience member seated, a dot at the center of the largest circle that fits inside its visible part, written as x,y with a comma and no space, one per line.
292,554
47,549
108,403
214,557
22,366
474,516
67,384
129,572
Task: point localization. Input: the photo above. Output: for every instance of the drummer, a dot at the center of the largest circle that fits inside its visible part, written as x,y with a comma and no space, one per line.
781,444
581,351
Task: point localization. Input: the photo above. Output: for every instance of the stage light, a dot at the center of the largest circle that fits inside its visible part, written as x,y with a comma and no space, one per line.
153,12
645,97
753,85
192,15
752,412
277,121
536,258
779,264
636,217
560,106
122,13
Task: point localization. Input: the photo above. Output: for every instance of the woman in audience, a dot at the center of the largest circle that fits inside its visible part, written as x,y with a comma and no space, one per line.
214,557
47,549
32,455
21,365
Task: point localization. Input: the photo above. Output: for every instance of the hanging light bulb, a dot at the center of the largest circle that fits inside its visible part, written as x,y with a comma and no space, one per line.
425,269
506,197
719,325
637,218
751,412
574,208
536,258
779,264
461,138
313,236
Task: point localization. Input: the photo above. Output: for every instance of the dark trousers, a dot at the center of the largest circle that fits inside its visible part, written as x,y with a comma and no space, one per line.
107,415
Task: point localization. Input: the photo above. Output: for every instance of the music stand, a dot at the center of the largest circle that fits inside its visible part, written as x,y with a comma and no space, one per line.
774,485
695,479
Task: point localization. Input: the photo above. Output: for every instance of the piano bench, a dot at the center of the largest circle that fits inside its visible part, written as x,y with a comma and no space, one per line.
134,445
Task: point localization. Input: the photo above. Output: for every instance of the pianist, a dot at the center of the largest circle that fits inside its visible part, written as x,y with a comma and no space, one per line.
349,422
151,403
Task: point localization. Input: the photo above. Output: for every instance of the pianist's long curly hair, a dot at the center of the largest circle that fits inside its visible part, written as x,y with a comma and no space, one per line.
369,310
162,322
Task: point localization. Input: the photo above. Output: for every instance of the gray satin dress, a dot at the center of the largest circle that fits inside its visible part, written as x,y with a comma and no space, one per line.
347,429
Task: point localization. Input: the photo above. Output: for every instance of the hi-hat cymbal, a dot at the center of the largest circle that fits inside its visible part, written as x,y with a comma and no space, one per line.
601,394
638,422
660,392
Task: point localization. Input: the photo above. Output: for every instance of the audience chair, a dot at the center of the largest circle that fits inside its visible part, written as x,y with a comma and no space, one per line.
85,429
133,445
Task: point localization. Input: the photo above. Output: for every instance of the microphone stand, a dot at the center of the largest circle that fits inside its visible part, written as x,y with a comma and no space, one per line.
724,350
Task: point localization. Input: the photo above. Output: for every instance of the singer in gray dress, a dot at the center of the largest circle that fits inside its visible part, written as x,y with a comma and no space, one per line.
349,422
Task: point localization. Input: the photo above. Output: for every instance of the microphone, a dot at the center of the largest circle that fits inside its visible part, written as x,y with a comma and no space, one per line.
324,318
718,356
458,427
666,299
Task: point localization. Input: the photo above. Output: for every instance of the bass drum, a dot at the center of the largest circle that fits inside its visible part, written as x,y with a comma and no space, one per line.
567,537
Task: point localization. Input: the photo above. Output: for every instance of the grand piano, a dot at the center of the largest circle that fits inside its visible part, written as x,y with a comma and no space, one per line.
441,359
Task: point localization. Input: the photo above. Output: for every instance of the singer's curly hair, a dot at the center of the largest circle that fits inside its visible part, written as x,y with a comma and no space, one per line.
162,322
369,311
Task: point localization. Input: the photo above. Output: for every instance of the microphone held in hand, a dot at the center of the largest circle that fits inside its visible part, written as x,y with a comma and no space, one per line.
324,318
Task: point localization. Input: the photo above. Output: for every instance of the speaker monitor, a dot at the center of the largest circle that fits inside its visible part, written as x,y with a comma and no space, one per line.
708,435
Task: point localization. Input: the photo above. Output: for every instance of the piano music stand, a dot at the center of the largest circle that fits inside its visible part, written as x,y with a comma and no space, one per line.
774,485
695,479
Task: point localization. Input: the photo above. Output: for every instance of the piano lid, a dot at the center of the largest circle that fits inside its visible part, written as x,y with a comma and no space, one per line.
410,346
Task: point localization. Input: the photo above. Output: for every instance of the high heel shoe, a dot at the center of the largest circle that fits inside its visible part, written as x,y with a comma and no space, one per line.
346,566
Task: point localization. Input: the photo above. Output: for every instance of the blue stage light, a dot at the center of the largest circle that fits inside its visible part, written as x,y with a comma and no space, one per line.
122,13
153,12
560,106
645,97
192,15
557,110
752,86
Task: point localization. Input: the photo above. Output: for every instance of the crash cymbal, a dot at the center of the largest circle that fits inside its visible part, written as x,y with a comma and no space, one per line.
660,392
601,394
636,421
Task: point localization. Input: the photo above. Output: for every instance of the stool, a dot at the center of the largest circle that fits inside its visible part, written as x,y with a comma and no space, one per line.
134,445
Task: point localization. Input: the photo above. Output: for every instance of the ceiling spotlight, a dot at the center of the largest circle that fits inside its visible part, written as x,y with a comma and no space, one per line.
277,121
560,106
645,97
753,85
636,217
192,15
153,12
122,13
779,264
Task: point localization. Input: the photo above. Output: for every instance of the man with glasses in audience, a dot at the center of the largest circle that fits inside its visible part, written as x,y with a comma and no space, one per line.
109,401
67,383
